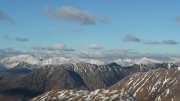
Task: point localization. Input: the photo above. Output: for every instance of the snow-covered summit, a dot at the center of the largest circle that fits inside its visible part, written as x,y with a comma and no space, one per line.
123,62
11,62
64,60
145,61
129,62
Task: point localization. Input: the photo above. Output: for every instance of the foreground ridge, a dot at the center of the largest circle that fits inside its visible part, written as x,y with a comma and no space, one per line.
85,95
155,85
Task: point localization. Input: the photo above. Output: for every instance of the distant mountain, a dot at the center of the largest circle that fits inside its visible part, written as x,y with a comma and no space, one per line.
144,61
84,95
11,62
155,85
29,61
63,60
124,62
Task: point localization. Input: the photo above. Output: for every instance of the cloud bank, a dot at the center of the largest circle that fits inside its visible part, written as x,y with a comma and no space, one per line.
6,52
100,55
95,46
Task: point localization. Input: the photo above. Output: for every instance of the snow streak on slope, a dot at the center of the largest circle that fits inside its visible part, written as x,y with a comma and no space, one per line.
84,95
155,85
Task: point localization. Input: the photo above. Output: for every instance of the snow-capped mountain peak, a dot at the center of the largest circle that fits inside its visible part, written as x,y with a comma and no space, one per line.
11,62
123,62
64,60
146,61
129,62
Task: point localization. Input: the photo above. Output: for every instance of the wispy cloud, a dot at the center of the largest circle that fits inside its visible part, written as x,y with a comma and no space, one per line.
6,52
5,17
178,19
68,13
6,37
73,30
106,54
55,47
131,38
21,39
163,42
95,46
102,55
59,47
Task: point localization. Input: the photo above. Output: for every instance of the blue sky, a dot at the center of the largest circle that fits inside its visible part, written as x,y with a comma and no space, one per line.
97,25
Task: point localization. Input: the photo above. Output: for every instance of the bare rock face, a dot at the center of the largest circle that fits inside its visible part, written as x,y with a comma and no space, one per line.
84,95
155,85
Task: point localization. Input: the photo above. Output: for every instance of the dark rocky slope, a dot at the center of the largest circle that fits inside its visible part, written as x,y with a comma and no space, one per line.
24,83
155,85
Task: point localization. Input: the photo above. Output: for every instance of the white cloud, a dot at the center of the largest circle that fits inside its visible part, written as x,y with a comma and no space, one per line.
21,39
178,19
131,38
59,47
55,47
68,13
9,52
106,54
165,42
95,46
73,30
5,17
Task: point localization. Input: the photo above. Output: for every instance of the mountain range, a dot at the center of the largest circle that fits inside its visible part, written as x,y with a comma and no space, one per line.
24,77
11,62
155,85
